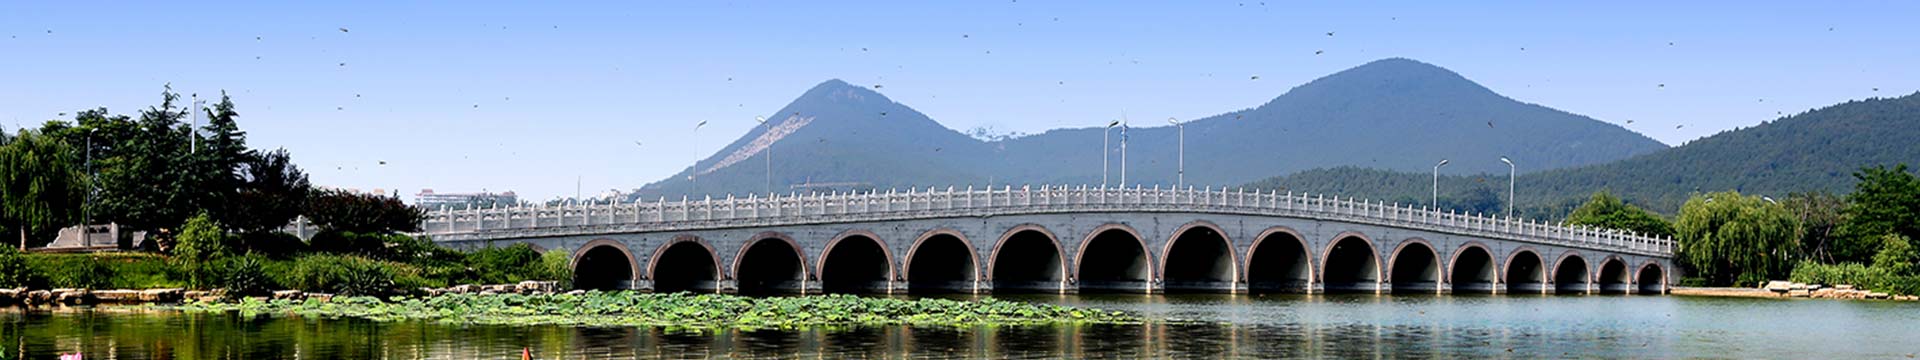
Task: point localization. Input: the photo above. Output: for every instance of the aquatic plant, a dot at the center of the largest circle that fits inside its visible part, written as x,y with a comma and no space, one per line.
679,311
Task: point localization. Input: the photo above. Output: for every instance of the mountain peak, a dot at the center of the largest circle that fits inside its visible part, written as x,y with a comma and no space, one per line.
1400,76
837,90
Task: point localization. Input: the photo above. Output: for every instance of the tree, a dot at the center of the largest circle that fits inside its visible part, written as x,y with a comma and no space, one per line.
1897,256
272,192
342,211
1607,211
149,180
1885,201
219,162
201,242
1728,238
1820,214
41,187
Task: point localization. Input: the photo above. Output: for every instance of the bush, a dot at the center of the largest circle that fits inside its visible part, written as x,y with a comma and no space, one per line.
70,271
274,245
505,265
555,266
1837,274
351,275
244,276
14,271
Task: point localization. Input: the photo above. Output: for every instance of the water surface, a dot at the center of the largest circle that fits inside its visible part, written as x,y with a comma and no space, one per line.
1344,326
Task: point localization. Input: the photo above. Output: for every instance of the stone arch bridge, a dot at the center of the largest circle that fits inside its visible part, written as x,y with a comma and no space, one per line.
1064,240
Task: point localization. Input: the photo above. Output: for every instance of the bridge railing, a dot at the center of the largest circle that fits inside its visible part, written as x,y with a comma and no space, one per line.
756,210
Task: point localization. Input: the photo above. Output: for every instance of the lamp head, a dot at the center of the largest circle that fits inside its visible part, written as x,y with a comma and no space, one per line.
1173,121
1443,162
761,119
1504,160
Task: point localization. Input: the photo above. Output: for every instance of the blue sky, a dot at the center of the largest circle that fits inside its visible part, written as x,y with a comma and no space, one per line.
532,97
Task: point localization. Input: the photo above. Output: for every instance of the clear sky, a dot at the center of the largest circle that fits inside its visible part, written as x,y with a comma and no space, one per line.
532,97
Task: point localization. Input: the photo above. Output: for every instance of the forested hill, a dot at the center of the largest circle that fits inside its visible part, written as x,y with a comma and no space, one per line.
1813,151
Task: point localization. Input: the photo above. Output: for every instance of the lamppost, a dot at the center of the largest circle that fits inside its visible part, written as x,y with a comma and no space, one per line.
1104,134
770,140
693,174
86,208
1123,152
1181,179
1436,184
1512,173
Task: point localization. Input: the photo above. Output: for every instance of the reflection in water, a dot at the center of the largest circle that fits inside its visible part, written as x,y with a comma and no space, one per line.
1203,326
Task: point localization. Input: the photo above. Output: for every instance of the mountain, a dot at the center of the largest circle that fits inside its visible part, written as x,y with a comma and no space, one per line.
1818,150
1395,114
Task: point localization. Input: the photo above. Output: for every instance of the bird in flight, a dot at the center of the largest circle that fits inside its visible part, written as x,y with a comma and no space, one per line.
343,29
1329,33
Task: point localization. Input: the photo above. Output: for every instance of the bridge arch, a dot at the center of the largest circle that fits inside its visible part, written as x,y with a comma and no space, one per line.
686,263
1613,277
1113,258
1414,267
1027,258
1471,269
1281,265
861,262
1199,257
604,264
949,265
770,263
1350,264
1651,278
1571,275
1525,271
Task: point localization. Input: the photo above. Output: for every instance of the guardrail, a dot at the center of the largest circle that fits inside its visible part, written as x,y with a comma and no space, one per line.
795,209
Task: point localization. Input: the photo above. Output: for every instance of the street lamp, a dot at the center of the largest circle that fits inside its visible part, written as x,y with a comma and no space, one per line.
86,208
770,140
1123,151
1512,173
693,174
1436,184
1181,180
1104,134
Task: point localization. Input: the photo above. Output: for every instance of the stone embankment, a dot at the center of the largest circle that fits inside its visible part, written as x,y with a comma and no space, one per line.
26,297
1818,291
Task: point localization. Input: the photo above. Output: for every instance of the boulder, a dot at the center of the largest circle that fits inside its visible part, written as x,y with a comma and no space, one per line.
1843,287
577,292
531,286
501,288
73,296
1779,286
1797,293
1876,295
487,292
289,294
121,295
162,295
462,289
9,296
1823,293
1796,286
39,296
321,297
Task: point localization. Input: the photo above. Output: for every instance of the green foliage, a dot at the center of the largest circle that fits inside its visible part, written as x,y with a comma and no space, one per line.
273,244
1606,211
41,187
351,275
1897,256
245,276
1813,272
1886,201
271,192
706,311
505,265
71,271
1820,216
555,267
14,271
342,211
200,243
1728,238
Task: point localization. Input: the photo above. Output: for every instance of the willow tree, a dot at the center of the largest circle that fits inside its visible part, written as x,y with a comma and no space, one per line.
40,186
1729,239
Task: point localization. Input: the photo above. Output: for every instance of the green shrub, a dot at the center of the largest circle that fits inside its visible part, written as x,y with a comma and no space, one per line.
274,245
555,265
244,275
352,275
1837,274
505,265
1896,255
14,271
72,271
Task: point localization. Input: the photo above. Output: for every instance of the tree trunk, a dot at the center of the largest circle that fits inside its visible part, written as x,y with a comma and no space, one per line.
23,236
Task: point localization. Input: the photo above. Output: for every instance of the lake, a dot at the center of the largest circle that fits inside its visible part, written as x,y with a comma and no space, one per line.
1205,326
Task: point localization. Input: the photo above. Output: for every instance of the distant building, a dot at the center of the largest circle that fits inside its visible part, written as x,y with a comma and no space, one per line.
434,201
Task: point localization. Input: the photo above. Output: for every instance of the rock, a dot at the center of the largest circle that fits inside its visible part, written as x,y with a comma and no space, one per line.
39,296
321,297
462,289
121,295
487,292
1779,286
1876,295
289,295
1822,293
1796,286
9,296
1811,287
577,292
500,289
1843,287
1797,293
73,296
196,294
161,295
531,286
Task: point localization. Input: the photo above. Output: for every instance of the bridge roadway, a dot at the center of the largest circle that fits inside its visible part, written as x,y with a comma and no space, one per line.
1064,240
